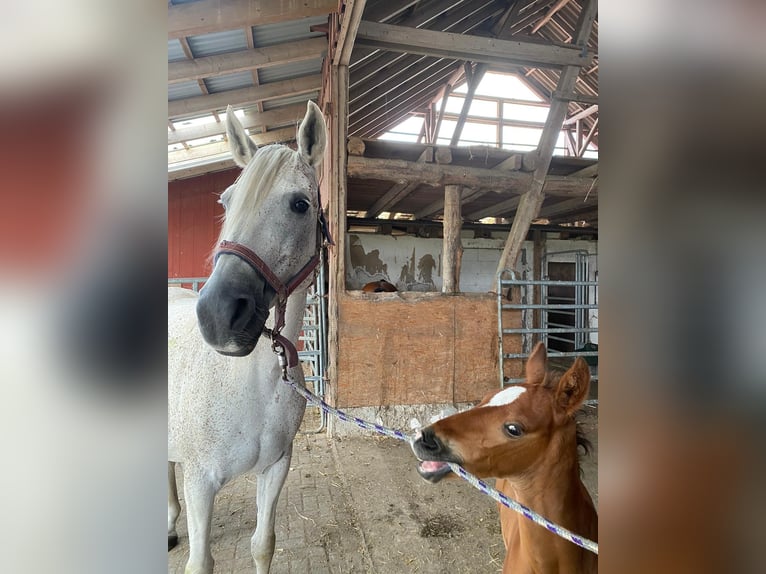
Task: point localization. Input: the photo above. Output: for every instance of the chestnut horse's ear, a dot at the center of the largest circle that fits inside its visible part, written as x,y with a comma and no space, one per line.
573,386
536,365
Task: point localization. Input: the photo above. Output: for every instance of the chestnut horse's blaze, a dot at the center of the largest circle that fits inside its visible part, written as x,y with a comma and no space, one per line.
525,436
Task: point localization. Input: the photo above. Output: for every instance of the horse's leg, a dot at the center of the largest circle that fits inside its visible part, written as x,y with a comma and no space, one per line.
199,491
269,486
174,507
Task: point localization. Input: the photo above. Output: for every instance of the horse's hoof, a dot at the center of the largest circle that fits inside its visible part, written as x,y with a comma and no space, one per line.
172,541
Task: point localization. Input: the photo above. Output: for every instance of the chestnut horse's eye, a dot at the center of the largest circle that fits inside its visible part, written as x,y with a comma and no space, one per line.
513,430
299,205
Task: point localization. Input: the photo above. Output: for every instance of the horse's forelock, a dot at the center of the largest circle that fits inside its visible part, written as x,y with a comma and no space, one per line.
253,185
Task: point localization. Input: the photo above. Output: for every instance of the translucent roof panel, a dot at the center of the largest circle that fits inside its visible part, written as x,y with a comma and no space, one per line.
175,51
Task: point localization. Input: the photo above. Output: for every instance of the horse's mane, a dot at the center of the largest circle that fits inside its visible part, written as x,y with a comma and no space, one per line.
252,186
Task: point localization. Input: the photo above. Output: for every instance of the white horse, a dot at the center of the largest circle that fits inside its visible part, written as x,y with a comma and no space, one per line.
228,411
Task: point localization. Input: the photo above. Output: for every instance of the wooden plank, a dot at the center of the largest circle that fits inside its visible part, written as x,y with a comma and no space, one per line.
196,152
275,117
513,182
590,171
401,189
565,206
352,15
580,115
465,47
175,173
532,200
208,16
547,18
588,138
476,77
242,96
572,97
221,64
452,247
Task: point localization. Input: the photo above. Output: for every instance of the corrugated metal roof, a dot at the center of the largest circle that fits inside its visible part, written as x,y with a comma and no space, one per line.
229,82
175,52
218,43
183,90
289,71
270,34
279,102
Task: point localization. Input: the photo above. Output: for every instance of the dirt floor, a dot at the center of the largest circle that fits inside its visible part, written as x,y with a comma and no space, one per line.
357,505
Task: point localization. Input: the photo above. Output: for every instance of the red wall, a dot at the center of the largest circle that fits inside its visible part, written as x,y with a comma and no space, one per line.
194,216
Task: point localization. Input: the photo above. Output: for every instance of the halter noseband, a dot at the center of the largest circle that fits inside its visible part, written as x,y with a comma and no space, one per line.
278,342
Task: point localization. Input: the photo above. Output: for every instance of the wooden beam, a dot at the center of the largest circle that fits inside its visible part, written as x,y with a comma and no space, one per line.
551,11
565,206
348,28
452,247
275,117
513,182
590,171
221,64
242,96
401,189
177,172
512,163
208,16
532,200
473,83
387,9
464,47
580,115
275,136
588,138
495,210
572,97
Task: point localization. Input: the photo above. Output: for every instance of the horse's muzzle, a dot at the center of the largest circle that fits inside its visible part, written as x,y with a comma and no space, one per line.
433,454
232,313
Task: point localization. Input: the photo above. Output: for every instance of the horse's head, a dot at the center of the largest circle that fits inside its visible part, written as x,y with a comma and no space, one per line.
510,431
273,211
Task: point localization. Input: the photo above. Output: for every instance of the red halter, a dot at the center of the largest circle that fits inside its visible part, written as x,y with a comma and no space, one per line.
283,291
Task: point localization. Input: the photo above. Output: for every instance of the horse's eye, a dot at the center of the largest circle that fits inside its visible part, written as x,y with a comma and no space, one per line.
513,430
299,205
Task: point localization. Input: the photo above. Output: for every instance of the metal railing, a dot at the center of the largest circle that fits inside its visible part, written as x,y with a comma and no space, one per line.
586,299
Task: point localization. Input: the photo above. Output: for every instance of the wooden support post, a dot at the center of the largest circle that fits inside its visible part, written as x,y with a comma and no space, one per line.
532,200
452,252
336,193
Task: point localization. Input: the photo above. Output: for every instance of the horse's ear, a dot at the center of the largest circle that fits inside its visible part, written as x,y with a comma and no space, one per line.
536,365
241,145
573,386
312,135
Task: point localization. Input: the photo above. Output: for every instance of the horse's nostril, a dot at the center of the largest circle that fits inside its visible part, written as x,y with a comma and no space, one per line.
243,311
429,441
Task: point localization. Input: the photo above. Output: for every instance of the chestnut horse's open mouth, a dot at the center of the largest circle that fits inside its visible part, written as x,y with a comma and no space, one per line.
433,471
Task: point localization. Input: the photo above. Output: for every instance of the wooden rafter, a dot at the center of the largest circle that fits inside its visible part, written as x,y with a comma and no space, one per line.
532,200
208,16
473,83
401,189
242,96
466,47
221,64
581,115
275,117
548,15
347,35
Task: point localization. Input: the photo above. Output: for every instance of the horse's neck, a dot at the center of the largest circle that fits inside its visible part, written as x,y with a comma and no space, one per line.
296,305
555,491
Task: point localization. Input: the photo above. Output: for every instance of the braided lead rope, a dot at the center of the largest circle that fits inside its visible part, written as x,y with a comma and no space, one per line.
457,469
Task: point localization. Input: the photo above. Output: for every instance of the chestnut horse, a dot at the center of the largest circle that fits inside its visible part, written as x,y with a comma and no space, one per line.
525,436
381,286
